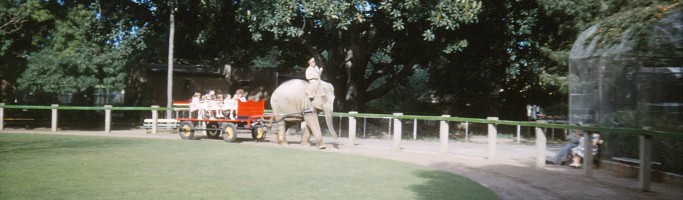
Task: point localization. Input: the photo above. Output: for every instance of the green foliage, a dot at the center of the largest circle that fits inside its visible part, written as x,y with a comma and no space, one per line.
80,54
20,21
633,24
407,98
613,16
354,32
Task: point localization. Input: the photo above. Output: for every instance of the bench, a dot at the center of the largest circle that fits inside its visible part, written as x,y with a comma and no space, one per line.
631,162
161,123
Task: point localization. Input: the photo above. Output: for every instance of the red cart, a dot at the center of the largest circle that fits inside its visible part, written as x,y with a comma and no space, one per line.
250,116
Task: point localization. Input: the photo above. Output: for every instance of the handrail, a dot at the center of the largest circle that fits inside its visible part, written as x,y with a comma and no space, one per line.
82,107
628,131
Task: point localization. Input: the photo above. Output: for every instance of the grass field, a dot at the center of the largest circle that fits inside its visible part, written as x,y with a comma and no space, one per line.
35,166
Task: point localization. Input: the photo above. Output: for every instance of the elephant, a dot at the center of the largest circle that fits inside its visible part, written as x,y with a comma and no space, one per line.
291,106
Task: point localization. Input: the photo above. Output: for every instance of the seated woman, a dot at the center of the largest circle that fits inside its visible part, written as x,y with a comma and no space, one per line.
579,151
232,105
561,157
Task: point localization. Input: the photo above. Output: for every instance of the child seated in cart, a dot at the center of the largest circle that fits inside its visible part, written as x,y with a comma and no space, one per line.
196,105
210,104
217,106
228,105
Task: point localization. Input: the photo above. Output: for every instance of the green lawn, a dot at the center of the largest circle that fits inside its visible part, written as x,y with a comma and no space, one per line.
35,166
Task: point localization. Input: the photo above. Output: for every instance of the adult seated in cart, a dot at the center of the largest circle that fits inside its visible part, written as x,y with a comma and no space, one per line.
196,105
231,104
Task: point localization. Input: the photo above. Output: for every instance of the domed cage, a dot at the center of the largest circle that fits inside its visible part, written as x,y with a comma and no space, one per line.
631,83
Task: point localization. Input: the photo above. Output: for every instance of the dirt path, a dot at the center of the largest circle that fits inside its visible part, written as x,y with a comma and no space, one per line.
509,178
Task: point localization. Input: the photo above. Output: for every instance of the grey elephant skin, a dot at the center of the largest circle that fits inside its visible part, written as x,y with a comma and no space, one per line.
291,106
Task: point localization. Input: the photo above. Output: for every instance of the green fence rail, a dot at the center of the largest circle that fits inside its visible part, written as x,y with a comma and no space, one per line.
34,107
628,131
645,136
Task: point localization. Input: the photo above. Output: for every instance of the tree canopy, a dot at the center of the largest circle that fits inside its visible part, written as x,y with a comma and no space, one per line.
473,56
361,42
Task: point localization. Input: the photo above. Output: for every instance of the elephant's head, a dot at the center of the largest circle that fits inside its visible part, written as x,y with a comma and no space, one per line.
324,101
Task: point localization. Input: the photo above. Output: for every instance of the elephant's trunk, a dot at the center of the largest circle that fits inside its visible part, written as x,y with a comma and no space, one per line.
330,126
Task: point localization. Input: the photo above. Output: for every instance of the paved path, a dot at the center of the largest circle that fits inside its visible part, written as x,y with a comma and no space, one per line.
511,176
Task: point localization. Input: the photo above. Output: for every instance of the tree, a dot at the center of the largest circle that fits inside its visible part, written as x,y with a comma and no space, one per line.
502,69
358,42
19,22
80,54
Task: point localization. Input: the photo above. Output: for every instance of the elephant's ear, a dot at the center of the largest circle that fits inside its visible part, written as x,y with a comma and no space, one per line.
327,91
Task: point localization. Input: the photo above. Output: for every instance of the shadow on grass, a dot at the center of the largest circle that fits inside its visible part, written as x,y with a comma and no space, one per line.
18,144
444,185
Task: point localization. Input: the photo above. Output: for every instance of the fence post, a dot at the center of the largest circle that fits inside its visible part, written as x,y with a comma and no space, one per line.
155,117
541,142
519,135
54,117
365,125
340,125
397,131
588,154
443,134
107,118
467,131
2,116
352,128
493,138
414,129
644,177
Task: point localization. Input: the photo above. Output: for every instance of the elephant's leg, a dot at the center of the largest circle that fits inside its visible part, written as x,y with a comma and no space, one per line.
306,134
281,139
314,129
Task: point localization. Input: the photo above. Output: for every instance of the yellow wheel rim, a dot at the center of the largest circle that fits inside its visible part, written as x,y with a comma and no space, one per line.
186,130
229,133
260,132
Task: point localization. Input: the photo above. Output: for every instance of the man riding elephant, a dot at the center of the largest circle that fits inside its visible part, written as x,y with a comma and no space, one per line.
313,73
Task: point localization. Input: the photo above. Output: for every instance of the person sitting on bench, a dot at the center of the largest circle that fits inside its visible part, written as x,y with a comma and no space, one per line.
562,155
579,151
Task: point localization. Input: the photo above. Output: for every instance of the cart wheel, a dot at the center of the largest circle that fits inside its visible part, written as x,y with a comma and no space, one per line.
228,131
258,133
186,130
213,130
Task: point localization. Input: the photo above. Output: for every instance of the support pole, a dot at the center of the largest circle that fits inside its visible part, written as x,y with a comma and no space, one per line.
644,177
107,118
588,154
443,135
493,138
467,131
414,129
519,135
352,128
54,117
541,142
2,116
155,118
397,132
